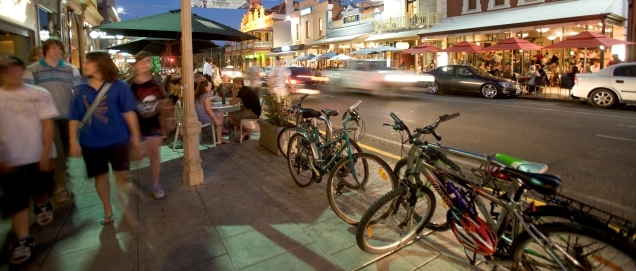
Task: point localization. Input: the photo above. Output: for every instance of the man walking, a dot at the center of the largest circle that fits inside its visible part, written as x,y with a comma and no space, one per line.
58,78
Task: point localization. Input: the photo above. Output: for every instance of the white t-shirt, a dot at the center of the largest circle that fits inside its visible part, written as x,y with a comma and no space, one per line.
497,58
207,69
21,112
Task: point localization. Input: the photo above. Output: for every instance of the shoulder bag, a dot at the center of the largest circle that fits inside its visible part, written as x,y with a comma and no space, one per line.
91,108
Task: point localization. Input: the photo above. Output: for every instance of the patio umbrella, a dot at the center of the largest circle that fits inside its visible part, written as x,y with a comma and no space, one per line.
386,48
586,40
158,46
512,44
168,25
328,55
341,57
364,51
299,58
422,48
310,57
464,47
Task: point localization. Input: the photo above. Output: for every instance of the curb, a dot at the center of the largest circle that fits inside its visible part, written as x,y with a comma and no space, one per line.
547,99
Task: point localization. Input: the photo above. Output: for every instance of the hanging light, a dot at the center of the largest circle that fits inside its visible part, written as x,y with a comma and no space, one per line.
525,35
543,30
552,37
602,47
402,45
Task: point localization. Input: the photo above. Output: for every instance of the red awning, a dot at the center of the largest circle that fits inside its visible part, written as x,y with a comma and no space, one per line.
588,39
422,48
464,47
512,44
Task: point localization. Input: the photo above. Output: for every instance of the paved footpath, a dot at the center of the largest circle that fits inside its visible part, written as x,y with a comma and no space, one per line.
247,215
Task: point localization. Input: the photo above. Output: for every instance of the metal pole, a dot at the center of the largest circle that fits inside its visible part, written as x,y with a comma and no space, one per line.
602,60
191,127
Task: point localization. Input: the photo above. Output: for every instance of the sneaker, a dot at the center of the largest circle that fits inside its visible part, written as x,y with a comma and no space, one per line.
157,192
21,250
44,214
63,196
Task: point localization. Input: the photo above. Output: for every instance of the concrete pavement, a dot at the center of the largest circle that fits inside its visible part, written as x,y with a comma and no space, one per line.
247,215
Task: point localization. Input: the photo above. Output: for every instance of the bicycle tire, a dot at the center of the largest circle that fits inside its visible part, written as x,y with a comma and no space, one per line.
374,186
298,154
344,171
283,139
597,250
439,221
389,223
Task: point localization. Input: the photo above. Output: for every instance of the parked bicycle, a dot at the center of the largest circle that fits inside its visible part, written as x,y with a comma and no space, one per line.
356,179
507,237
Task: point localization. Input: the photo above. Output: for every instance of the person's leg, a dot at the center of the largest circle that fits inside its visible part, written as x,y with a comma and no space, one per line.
61,193
96,161
102,186
153,145
20,223
217,118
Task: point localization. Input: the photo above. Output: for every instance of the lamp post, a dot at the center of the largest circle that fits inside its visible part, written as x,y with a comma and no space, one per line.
191,128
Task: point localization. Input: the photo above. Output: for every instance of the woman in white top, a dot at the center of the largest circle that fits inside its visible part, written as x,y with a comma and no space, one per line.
533,75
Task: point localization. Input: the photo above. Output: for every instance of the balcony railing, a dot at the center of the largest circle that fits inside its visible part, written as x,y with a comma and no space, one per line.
362,18
250,45
424,19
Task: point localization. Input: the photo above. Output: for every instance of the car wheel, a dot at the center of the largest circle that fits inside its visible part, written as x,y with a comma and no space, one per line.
489,91
603,98
433,88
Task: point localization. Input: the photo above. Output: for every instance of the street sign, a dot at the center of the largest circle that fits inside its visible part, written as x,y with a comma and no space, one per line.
228,4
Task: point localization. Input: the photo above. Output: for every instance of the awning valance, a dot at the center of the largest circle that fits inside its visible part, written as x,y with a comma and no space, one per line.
396,35
532,15
280,54
339,39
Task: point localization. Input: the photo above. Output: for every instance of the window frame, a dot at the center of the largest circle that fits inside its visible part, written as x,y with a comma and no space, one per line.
307,29
298,31
320,28
529,2
465,9
492,4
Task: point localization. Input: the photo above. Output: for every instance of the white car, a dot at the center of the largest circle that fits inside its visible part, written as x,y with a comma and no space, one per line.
374,75
608,87
231,72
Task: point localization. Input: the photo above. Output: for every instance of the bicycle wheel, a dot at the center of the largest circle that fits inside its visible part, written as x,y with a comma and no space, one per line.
283,139
592,248
375,178
343,171
438,220
385,226
298,154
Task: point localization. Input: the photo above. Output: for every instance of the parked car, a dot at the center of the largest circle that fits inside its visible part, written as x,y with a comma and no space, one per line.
374,75
608,87
231,72
468,79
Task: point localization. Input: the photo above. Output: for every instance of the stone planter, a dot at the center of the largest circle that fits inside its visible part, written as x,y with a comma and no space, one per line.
269,136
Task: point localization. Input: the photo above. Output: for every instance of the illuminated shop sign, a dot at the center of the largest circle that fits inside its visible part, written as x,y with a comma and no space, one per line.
305,11
351,19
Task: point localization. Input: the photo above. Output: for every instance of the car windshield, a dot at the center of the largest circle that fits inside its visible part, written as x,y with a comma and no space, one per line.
480,71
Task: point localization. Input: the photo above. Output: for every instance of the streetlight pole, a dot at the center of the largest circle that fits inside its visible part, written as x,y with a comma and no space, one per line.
191,128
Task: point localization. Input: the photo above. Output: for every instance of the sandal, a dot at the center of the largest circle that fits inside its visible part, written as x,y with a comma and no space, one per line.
226,133
223,142
107,220
247,137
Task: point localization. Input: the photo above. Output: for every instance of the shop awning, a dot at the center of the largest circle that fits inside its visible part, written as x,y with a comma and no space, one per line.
532,15
396,35
280,54
338,39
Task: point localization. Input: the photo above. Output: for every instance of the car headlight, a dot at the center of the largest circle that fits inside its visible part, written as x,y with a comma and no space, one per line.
505,84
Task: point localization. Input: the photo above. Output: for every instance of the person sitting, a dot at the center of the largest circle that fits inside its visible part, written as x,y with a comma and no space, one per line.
202,106
198,78
251,106
225,88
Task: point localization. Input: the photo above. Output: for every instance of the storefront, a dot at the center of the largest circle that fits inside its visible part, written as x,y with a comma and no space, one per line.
18,26
542,28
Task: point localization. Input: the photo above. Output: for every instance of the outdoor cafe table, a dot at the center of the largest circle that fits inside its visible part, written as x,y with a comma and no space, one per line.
224,107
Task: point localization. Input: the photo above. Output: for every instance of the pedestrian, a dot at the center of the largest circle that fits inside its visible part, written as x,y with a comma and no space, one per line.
108,131
152,109
279,78
251,104
252,74
532,74
615,60
207,69
26,153
202,106
35,54
58,78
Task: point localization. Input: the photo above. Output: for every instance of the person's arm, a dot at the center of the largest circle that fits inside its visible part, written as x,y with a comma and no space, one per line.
235,97
46,163
75,148
208,109
133,125
27,77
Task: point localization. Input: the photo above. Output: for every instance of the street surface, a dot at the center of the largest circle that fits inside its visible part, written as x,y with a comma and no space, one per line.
592,150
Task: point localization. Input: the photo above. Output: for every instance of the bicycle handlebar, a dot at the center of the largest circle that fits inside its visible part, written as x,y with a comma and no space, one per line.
351,110
414,138
298,105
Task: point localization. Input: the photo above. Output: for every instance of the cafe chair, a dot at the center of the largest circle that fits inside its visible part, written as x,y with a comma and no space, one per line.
213,131
252,123
178,115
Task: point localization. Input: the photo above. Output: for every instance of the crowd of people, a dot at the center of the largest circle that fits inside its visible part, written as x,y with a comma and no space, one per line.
50,111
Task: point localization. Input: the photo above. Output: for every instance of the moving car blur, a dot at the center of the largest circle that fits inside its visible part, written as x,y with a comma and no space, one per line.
376,76
468,79
231,72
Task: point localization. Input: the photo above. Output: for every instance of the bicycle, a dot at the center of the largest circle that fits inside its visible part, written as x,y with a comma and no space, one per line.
305,123
351,175
507,238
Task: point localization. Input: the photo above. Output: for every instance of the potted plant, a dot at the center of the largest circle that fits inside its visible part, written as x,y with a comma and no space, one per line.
275,119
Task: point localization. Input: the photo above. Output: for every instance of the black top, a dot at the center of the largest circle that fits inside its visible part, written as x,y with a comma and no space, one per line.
250,100
148,96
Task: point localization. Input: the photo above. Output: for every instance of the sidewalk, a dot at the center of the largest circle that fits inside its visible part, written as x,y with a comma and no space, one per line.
247,215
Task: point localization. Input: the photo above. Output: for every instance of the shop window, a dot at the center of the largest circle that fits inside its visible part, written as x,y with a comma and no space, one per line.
307,29
497,4
320,28
471,6
47,24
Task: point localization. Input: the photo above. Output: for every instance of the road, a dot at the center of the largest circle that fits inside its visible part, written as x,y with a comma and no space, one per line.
592,150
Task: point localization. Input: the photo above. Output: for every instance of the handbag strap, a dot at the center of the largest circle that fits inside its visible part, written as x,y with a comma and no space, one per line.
96,102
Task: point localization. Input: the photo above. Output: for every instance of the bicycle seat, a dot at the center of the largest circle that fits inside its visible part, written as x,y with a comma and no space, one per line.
330,113
543,183
310,113
520,164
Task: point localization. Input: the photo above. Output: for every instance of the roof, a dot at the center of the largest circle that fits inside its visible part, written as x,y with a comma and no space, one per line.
535,14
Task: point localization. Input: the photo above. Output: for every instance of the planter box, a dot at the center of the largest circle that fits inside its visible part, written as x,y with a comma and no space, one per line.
269,136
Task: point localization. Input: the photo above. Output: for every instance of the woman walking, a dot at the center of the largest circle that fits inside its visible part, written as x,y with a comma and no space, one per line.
108,132
202,105
151,103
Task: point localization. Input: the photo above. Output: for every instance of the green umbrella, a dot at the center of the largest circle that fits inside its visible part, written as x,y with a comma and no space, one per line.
168,25
158,46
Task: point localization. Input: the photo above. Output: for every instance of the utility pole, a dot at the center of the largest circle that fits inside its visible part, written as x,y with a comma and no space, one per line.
191,128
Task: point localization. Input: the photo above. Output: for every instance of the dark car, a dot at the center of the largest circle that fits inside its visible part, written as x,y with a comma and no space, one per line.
468,79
